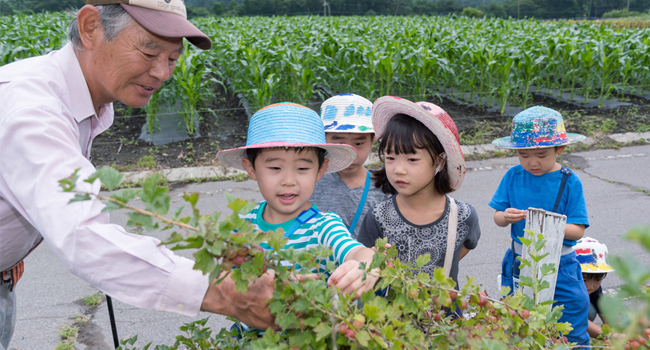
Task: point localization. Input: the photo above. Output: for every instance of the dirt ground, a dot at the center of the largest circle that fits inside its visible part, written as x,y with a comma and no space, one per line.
226,128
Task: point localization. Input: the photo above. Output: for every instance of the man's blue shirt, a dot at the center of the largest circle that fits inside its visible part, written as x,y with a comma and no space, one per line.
522,190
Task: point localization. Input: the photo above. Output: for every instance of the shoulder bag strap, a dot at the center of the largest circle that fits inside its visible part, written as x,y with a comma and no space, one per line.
451,235
362,203
565,175
305,216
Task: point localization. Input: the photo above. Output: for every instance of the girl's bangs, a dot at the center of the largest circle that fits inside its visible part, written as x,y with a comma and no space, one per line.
403,139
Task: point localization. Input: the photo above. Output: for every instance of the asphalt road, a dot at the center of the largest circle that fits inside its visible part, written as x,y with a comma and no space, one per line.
49,297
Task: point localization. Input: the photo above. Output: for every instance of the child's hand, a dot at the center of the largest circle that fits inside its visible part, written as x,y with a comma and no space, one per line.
512,215
348,278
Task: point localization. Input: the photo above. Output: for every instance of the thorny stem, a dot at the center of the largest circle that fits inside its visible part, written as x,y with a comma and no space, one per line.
141,211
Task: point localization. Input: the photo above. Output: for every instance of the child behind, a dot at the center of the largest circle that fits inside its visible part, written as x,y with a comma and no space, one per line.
539,181
350,192
286,154
592,256
420,145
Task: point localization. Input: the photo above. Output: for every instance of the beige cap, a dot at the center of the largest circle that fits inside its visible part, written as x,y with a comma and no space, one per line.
167,18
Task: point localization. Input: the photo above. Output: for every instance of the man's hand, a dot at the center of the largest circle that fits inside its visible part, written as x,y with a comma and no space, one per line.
348,278
509,216
250,308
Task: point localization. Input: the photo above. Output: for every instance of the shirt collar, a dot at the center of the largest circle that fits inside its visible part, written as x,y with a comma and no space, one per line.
81,101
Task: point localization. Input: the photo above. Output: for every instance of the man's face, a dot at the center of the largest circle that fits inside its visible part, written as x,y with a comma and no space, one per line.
286,179
132,66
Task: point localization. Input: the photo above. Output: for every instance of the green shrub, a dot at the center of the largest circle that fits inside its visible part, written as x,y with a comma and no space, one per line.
621,14
471,12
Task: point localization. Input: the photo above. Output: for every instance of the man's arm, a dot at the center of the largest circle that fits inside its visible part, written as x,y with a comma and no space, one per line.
250,308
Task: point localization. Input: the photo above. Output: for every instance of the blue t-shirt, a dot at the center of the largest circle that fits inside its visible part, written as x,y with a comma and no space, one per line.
522,190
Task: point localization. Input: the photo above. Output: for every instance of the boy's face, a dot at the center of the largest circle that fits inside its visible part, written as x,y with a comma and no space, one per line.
539,161
592,284
286,178
361,142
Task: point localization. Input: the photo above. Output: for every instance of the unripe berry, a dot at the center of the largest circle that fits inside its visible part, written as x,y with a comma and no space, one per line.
226,265
413,293
243,251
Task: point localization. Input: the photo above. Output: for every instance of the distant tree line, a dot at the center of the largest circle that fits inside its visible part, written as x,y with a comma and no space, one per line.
543,9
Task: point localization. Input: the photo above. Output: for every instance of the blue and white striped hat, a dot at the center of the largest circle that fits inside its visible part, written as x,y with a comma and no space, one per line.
288,125
347,113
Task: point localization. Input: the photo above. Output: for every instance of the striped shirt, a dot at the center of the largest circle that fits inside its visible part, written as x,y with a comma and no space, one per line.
323,229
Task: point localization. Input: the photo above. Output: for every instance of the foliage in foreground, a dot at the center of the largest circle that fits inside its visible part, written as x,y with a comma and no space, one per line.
416,314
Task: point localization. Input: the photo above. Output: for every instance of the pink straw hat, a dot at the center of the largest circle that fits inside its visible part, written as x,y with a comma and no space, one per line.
435,119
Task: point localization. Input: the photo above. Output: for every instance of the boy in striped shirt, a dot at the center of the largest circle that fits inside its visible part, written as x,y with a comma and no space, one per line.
286,153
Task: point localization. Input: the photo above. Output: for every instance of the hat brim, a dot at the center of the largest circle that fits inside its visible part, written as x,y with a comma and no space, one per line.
506,142
596,268
339,156
388,106
169,25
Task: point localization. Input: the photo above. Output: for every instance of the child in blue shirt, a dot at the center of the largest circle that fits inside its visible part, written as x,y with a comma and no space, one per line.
539,181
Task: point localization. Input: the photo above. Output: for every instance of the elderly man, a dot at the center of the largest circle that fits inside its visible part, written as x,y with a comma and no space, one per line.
51,109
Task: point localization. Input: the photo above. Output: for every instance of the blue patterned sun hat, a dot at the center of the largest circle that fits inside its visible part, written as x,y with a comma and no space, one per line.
288,125
537,127
347,113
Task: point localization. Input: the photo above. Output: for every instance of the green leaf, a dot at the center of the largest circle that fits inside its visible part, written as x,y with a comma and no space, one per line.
422,260
203,261
137,219
525,241
322,331
79,198
156,198
362,337
110,177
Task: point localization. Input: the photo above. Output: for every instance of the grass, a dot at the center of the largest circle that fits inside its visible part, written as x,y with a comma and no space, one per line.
147,162
68,338
93,300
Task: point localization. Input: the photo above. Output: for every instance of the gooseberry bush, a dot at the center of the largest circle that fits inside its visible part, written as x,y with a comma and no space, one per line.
418,311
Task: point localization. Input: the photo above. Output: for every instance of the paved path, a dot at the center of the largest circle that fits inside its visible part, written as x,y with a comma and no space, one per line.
49,296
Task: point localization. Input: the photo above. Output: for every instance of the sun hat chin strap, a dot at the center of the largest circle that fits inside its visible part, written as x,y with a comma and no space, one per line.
451,235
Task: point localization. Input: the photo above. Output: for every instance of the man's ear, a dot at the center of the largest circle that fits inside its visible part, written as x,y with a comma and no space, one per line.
323,169
250,169
560,149
89,26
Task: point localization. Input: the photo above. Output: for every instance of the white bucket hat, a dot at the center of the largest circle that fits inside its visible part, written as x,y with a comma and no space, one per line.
347,113
592,255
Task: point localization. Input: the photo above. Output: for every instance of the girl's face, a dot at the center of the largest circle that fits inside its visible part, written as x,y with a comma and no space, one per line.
412,173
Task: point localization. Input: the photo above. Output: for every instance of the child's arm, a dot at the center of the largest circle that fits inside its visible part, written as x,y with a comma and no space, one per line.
594,330
349,277
509,216
574,231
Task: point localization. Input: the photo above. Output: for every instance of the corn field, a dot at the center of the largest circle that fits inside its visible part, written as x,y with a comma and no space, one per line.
305,59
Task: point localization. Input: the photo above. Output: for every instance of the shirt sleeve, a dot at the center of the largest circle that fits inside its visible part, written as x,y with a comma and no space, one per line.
334,234
38,147
576,208
474,229
370,230
500,200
